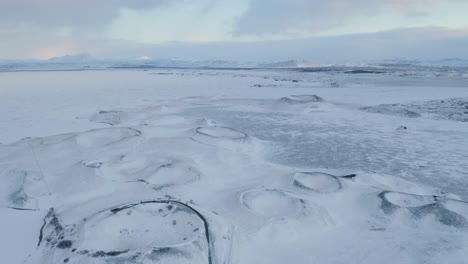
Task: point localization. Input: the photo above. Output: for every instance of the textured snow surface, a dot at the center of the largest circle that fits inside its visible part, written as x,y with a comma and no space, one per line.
452,109
199,166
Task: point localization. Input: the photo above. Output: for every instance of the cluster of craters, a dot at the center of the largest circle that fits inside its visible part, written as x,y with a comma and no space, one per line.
167,230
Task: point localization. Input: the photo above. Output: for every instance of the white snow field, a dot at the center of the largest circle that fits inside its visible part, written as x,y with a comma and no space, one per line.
232,167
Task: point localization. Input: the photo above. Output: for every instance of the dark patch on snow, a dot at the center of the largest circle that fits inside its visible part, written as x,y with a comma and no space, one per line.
52,226
377,229
22,209
420,206
99,254
302,99
19,197
363,72
64,244
157,255
455,109
93,165
318,69
264,85
391,109
349,176
107,117
162,73
442,214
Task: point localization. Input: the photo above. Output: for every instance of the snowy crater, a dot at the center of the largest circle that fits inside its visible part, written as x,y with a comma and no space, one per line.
145,232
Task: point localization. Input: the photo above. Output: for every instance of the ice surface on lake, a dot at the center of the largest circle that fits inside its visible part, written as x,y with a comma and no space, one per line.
202,166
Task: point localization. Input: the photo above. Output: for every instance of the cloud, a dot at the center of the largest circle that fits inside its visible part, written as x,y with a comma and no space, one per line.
124,28
48,28
413,43
293,16
69,12
33,42
196,21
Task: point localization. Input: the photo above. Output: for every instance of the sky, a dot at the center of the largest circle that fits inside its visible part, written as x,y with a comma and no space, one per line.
264,30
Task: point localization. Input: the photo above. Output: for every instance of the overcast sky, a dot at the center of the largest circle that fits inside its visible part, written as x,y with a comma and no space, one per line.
235,29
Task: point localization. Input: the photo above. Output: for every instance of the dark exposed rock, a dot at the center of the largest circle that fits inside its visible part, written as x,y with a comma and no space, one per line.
301,99
64,244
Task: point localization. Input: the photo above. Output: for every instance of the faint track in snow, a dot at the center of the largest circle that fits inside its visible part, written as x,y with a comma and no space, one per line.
39,167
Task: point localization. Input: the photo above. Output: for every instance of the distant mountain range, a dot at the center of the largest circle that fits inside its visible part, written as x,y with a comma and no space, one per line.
451,62
85,61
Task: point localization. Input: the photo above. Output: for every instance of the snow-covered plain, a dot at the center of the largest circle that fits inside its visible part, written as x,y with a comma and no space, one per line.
232,166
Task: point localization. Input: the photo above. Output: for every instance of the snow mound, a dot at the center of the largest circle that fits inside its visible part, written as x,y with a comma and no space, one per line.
221,132
317,181
408,200
150,169
272,203
224,137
